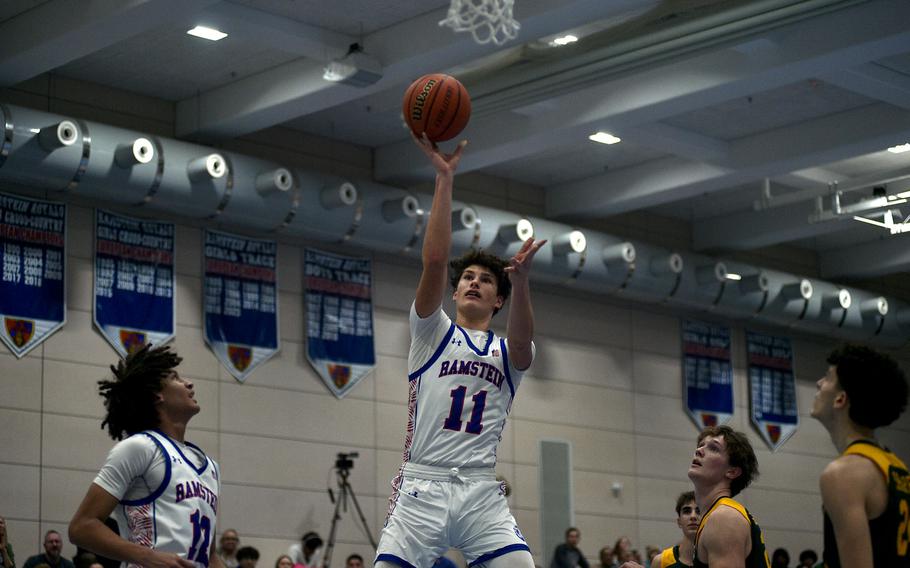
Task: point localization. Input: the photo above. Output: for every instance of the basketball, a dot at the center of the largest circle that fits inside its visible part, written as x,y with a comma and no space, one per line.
438,105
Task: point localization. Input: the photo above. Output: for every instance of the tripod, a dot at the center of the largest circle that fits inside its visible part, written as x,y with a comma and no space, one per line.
343,470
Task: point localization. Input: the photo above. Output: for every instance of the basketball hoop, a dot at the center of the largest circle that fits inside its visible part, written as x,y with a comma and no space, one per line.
487,20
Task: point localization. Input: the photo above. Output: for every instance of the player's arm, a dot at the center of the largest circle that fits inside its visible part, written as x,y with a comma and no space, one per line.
656,561
845,483
87,529
438,238
521,316
725,539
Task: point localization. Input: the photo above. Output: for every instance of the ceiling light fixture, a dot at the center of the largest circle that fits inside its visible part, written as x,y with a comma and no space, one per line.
604,138
207,33
900,149
563,40
734,276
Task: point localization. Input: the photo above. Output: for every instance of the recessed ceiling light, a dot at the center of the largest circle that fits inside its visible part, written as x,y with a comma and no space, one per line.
733,276
564,40
207,33
604,138
900,149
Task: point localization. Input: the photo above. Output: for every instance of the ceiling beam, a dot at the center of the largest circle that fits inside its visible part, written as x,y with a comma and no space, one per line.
767,154
888,255
406,51
54,33
874,81
798,51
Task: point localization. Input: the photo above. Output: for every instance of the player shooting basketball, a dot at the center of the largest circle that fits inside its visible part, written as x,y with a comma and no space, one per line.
462,380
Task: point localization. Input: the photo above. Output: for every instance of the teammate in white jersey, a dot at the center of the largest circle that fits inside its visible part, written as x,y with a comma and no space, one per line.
462,381
162,490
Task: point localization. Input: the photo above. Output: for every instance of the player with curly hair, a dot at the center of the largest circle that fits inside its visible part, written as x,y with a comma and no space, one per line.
162,490
866,489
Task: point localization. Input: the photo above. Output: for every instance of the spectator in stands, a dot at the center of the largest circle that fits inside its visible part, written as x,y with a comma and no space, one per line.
807,558
780,559
308,552
622,551
567,554
606,557
247,557
53,546
7,559
230,542
284,561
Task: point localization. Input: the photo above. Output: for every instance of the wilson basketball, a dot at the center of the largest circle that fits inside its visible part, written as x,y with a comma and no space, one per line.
438,105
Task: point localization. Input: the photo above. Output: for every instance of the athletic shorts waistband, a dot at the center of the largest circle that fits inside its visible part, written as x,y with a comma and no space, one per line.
448,473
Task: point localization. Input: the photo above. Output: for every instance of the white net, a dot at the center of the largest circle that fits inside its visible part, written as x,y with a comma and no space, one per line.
487,20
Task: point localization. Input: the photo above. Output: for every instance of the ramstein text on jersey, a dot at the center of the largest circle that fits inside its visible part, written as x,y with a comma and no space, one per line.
479,369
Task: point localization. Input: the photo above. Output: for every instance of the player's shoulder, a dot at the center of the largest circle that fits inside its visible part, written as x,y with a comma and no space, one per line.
136,444
725,521
850,467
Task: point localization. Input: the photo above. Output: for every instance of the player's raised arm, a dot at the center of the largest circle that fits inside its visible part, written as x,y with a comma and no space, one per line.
437,241
521,316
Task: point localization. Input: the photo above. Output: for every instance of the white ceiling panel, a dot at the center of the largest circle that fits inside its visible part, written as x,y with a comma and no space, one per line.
767,110
172,65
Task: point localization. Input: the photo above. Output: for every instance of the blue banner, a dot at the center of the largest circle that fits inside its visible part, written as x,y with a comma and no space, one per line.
707,373
772,387
33,289
241,300
339,310
134,281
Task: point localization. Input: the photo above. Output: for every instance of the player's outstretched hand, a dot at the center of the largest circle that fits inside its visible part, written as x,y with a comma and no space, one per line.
155,559
520,264
445,164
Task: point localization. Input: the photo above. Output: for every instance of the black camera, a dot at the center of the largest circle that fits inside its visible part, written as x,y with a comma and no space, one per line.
346,461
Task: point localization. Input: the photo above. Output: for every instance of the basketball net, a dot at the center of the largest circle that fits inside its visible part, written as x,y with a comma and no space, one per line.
487,20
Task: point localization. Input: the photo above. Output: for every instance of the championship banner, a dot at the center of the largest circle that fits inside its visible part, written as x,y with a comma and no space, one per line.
241,317
339,318
33,290
134,281
772,387
707,373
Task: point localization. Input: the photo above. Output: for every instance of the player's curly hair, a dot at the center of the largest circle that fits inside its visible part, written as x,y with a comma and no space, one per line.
130,396
739,453
492,262
874,383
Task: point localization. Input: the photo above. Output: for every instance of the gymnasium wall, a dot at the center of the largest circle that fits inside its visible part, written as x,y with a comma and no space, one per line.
607,379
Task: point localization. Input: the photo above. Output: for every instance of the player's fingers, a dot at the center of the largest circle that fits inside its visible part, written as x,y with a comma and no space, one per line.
184,563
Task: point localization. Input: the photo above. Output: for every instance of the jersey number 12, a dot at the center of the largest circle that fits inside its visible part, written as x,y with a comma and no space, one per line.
202,530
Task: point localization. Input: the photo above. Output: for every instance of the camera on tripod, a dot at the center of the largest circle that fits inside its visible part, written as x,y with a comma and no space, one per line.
346,461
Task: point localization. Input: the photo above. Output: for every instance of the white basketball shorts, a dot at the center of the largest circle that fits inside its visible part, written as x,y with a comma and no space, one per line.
434,509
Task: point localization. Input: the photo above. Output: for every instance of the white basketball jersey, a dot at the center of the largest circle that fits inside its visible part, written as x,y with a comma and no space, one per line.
179,517
459,398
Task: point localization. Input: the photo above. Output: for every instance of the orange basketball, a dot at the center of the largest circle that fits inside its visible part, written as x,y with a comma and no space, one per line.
438,105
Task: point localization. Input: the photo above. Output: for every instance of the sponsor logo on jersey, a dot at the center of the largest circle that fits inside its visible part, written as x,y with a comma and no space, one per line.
20,330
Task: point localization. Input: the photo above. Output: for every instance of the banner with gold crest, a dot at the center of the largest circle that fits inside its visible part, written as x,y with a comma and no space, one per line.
241,301
134,281
33,289
339,309
772,387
